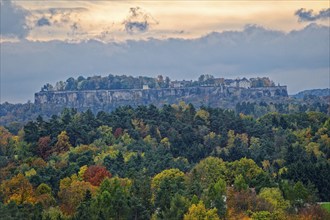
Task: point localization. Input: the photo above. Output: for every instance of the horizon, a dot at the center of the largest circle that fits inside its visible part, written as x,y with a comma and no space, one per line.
172,80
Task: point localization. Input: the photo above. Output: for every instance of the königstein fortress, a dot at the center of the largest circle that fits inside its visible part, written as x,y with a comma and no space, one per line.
107,93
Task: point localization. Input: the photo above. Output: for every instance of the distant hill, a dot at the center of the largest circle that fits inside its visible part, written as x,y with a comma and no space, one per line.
255,96
312,92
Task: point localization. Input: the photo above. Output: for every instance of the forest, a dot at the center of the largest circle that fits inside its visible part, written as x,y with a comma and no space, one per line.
173,162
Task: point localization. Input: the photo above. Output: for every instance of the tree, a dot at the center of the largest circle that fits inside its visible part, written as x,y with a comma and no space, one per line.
44,147
5,139
178,207
238,202
208,171
199,212
216,197
240,183
296,193
62,143
275,198
105,134
84,210
95,174
44,195
72,193
203,115
262,215
31,132
113,198
18,189
140,200
245,167
164,186
116,166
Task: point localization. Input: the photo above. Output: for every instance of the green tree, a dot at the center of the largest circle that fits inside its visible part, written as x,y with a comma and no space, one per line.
84,211
105,134
208,171
141,197
164,186
239,183
178,207
113,198
262,215
275,198
216,197
44,195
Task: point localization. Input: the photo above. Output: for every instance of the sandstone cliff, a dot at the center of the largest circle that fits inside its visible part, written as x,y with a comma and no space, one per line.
215,96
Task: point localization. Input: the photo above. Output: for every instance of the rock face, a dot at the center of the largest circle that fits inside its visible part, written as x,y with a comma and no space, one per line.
215,96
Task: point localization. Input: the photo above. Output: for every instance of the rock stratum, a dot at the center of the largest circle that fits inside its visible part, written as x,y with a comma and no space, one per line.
107,100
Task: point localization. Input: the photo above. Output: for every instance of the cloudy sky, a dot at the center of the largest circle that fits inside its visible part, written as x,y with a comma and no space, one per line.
44,41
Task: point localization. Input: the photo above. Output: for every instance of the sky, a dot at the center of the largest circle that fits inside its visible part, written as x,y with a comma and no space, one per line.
45,41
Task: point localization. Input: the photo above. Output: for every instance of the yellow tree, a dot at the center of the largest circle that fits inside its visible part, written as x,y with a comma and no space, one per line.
246,167
199,212
72,192
204,115
18,189
62,143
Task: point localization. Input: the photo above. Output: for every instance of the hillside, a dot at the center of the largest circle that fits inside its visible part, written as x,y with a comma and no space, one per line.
255,96
312,92
175,162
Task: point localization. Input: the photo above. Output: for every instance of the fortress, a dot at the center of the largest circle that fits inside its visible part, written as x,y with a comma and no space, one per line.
209,95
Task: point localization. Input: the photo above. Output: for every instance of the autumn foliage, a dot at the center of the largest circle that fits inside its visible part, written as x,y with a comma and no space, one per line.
95,174
44,147
169,163
72,193
18,189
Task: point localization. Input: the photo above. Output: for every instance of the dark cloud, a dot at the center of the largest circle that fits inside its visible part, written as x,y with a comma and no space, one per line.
299,59
308,15
43,22
138,21
57,16
136,26
60,15
13,20
54,11
74,27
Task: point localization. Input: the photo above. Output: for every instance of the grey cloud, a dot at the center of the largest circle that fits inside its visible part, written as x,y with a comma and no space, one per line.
74,27
65,10
138,21
13,20
308,15
254,51
43,22
57,16
135,26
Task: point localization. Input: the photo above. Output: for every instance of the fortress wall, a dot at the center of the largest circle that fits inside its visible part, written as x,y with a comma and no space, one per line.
110,99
